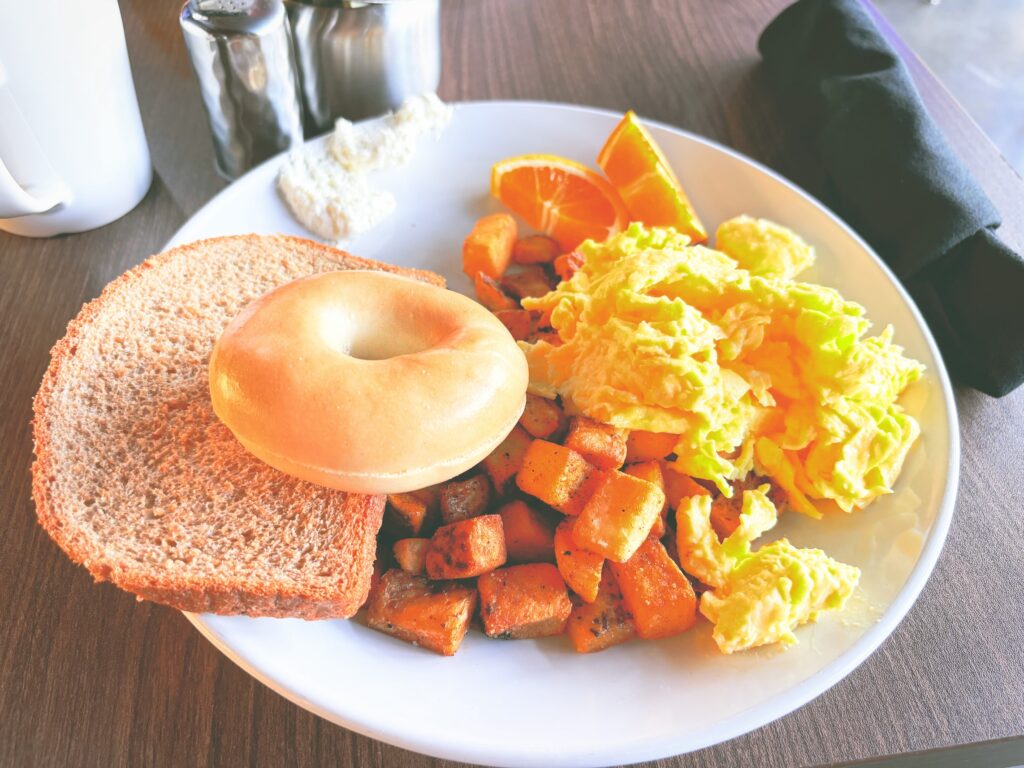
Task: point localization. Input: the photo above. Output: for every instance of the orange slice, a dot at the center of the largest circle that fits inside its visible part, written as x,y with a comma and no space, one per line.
639,171
561,198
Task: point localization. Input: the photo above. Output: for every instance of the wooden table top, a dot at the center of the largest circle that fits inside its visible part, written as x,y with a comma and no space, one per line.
88,676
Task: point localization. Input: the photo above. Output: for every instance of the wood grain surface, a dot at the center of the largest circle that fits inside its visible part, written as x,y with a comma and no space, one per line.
90,677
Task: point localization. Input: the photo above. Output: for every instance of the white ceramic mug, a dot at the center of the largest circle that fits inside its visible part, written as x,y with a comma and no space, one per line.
73,154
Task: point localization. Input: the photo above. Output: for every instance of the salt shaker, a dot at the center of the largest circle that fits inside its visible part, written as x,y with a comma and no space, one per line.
242,55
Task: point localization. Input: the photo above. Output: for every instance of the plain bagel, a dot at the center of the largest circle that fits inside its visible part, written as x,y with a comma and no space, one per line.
368,382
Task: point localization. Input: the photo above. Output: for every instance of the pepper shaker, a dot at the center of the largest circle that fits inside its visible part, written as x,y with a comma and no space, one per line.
361,58
242,54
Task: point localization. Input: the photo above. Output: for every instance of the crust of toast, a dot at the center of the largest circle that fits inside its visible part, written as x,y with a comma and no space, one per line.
357,517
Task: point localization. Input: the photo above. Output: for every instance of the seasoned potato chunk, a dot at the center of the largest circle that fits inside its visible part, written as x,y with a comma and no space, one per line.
505,461
536,249
602,623
529,536
679,486
651,472
467,548
488,247
491,294
600,444
656,592
433,615
580,569
411,554
523,601
592,478
412,514
527,282
647,446
463,499
619,516
542,417
552,472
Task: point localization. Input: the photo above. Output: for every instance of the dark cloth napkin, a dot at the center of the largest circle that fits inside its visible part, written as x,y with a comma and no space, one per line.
890,173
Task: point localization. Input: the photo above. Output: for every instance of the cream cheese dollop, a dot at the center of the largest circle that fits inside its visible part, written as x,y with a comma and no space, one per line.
328,188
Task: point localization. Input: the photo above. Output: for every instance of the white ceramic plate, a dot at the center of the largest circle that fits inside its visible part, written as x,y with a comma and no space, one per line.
536,703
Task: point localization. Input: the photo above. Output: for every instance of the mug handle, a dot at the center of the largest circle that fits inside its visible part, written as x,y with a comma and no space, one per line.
42,189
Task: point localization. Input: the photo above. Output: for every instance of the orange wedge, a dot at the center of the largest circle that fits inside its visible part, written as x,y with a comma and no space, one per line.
639,171
561,198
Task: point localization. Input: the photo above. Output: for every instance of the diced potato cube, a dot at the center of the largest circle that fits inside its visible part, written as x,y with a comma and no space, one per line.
602,445
529,535
602,623
646,446
542,417
518,321
523,601
580,569
552,472
656,592
466,548
434,615
528,282
651,472
567,264
647,470
491,294
488,248
618,517
463,499
579,498
536,249
679,486
410,514
504,462
411,554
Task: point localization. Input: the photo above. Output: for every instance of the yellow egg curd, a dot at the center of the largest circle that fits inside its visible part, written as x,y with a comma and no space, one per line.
751,368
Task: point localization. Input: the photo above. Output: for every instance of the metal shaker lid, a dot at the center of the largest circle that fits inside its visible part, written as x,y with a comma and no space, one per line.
246,17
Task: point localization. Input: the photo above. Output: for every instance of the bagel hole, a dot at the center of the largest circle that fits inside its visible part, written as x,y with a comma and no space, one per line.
384,347
343,333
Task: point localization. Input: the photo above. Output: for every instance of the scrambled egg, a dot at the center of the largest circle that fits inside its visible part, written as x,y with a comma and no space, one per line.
707,558
750,368
758,597
763,247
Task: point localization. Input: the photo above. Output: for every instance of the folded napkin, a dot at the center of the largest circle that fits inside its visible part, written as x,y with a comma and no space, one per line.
890,173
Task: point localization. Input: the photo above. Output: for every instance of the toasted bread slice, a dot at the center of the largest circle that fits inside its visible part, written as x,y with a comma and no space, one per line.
136,478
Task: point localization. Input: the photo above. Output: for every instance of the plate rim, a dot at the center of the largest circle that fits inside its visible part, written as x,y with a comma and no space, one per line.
746,720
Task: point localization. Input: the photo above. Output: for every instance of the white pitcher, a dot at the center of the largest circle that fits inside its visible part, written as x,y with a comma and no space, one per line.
73,154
